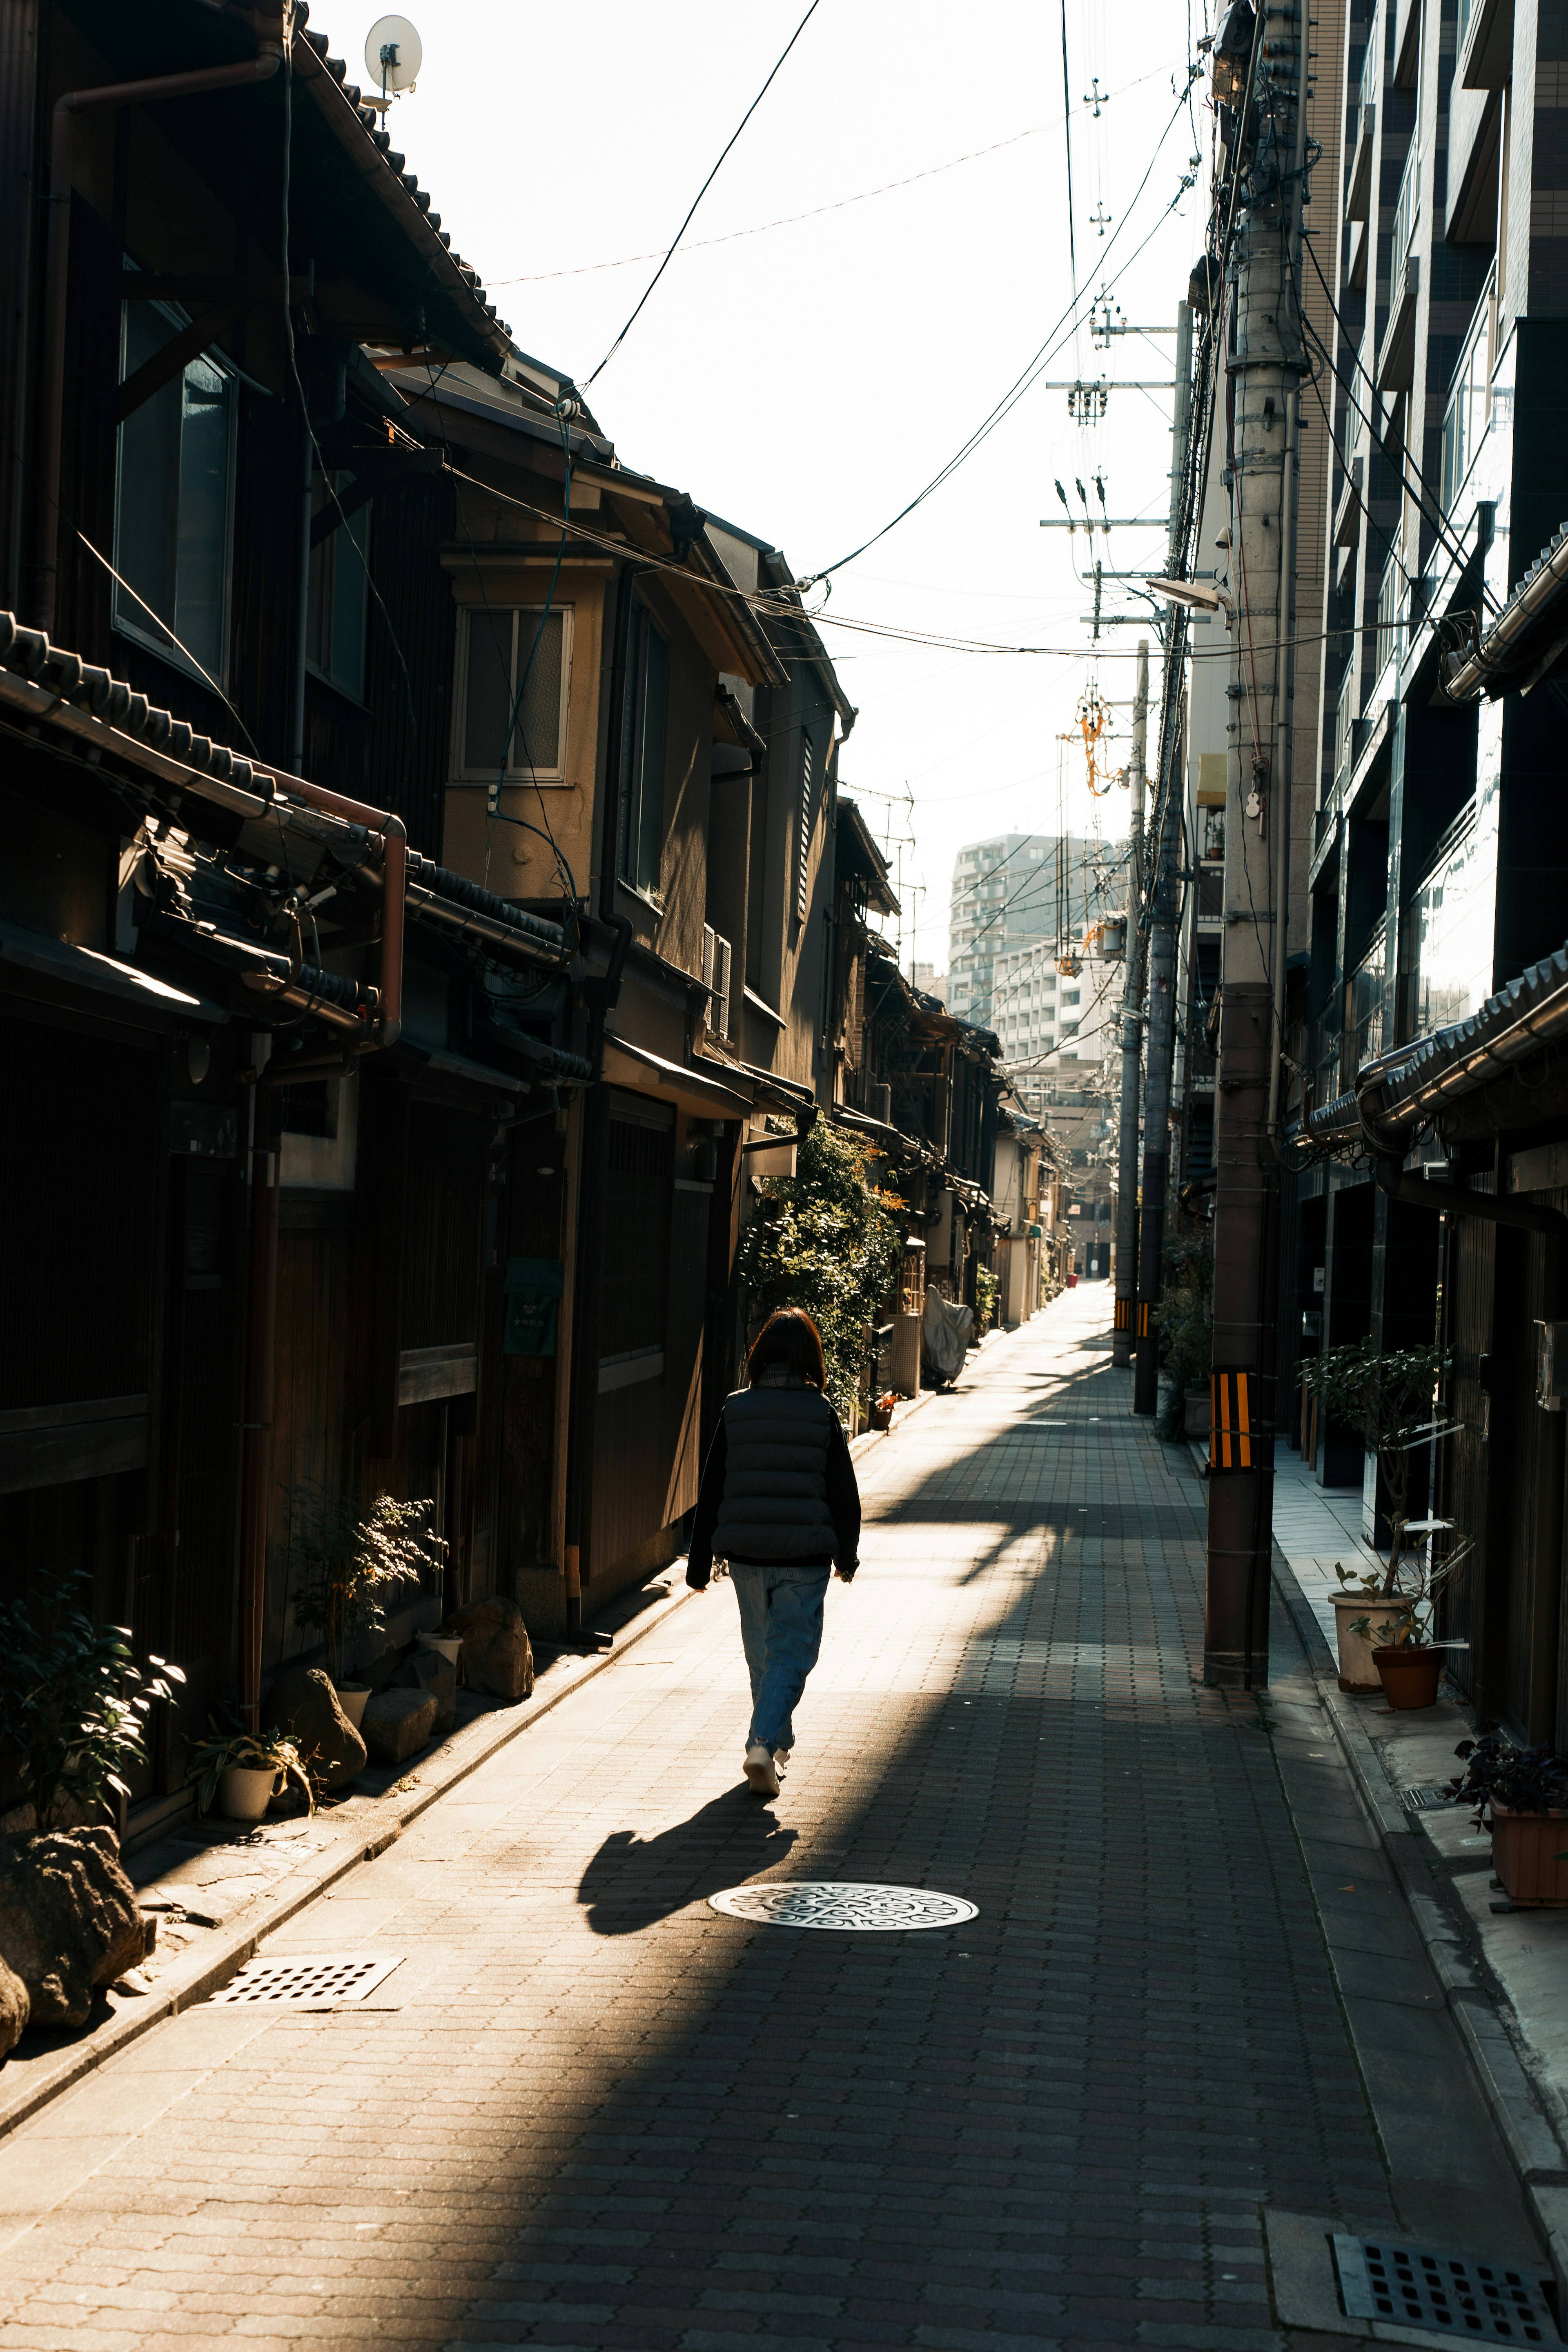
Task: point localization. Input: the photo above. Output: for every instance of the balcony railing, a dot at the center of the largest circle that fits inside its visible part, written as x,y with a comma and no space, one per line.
1445,933
1468,411
1371,75
1390,615
1362,1040
1344,733
1407,212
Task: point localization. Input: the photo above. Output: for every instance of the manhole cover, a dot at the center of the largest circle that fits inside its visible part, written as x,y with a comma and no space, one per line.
311,1979
1492,2303
1427,1798
842,1903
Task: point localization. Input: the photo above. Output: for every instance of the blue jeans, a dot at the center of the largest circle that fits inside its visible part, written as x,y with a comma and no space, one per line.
781,1627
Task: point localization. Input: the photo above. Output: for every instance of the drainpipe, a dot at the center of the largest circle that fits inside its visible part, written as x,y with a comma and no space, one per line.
57,279
260,1383
601,994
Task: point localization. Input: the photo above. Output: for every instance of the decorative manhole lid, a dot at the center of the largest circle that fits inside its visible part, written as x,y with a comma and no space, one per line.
311,1979
843,1903
1492,2302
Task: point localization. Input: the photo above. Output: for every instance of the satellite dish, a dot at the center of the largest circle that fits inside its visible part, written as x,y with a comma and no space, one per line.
393,55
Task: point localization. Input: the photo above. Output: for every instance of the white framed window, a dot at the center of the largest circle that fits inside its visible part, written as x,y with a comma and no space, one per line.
514,677
173,499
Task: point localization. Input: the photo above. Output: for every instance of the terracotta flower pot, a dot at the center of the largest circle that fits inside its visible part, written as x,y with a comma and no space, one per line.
1525,1850
1357,1672
1409,1676
243,1794
882,1416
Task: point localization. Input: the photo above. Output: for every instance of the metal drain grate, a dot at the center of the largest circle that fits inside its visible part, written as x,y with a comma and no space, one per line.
1490,2303
841,1903
310,1979
1429,1797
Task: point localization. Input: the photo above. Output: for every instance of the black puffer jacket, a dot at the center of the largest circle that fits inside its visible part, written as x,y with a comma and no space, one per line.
778,1485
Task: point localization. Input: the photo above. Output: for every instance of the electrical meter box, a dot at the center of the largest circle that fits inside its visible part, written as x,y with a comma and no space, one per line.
1551,1366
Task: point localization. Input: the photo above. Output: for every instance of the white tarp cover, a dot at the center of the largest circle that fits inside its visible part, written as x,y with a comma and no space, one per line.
946,1333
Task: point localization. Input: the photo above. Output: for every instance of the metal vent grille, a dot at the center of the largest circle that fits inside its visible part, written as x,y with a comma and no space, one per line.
1461,2295
310,1979
1430,1797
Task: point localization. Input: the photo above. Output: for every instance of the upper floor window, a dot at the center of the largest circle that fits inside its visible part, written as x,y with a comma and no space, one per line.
174,499
514,664
643,724
340,592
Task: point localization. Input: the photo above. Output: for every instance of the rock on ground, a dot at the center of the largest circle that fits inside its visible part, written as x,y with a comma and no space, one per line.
428,1670
397,1724
69,1920
303,1704
497,1655
15,2008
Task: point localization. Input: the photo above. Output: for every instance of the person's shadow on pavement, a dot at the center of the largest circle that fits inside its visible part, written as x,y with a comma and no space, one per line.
632,1881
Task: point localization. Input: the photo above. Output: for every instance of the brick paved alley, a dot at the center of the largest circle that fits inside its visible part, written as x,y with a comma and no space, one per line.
587,2110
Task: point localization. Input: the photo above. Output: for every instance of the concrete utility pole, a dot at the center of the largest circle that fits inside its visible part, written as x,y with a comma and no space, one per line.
1266,366
1169,801
1131,1030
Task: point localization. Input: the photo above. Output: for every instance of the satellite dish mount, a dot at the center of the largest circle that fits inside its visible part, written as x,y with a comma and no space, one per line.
393,56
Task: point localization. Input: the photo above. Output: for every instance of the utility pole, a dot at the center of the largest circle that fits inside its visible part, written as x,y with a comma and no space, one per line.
1169,800
1266,366
1131,1031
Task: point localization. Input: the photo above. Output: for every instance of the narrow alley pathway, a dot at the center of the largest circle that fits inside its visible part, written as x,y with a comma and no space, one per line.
587,2110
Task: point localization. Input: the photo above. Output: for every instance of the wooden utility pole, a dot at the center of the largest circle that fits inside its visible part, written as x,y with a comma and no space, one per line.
1165,907
1131,1031
1266,365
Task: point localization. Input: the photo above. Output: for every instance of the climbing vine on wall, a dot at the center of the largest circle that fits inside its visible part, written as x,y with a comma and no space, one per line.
825,1239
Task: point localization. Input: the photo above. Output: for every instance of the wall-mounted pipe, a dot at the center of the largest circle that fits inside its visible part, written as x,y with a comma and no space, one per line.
1458,1200
56,282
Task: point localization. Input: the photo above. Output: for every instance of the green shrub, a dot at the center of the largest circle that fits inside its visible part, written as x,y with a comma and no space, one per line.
825,1239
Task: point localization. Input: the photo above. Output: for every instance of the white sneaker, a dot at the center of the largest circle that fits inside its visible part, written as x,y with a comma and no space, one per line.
780,1761
760,1771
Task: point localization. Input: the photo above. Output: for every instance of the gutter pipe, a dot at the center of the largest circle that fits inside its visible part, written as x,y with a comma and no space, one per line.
56,281
1467,679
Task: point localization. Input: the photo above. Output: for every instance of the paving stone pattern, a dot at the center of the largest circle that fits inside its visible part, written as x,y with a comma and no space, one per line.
587,2110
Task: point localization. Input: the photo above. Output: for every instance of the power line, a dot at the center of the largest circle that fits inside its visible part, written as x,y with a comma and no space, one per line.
702,190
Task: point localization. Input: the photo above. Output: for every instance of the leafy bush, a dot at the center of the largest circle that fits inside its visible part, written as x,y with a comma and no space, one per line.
987,1291
825,1239
1386,1397
355,1565
73,1702
1186,1325
246,1751
1526,1779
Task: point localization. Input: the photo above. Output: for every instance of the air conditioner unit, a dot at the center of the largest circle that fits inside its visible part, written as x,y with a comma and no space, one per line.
716,976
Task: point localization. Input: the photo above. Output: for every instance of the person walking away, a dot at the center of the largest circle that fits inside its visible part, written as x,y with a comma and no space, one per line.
779,1502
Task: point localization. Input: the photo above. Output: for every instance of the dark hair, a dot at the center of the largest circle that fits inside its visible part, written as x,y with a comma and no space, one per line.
789,1337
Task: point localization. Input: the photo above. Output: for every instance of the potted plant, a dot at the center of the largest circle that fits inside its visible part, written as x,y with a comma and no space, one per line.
882,1410
1351,1605
73,1704
353,1566
1521,1794
242,1771
1386,1398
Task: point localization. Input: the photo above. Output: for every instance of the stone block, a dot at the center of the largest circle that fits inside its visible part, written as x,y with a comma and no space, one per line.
428,1670
69,1920
498,1656
303,1704
397,1724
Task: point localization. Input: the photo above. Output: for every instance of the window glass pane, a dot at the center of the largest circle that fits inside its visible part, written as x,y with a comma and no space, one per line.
650,761
148,502
536,738
489,703
201,567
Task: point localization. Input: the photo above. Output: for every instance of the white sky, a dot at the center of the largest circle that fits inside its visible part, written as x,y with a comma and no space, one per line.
807,381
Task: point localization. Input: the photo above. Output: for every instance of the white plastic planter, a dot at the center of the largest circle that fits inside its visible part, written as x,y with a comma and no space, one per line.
452,1650
244,1793
353,1698
1358,1670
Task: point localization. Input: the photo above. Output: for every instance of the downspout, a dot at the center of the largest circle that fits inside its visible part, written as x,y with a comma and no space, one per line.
600,994
56,281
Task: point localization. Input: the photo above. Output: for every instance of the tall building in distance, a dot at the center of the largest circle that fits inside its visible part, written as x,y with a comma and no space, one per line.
1025,909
